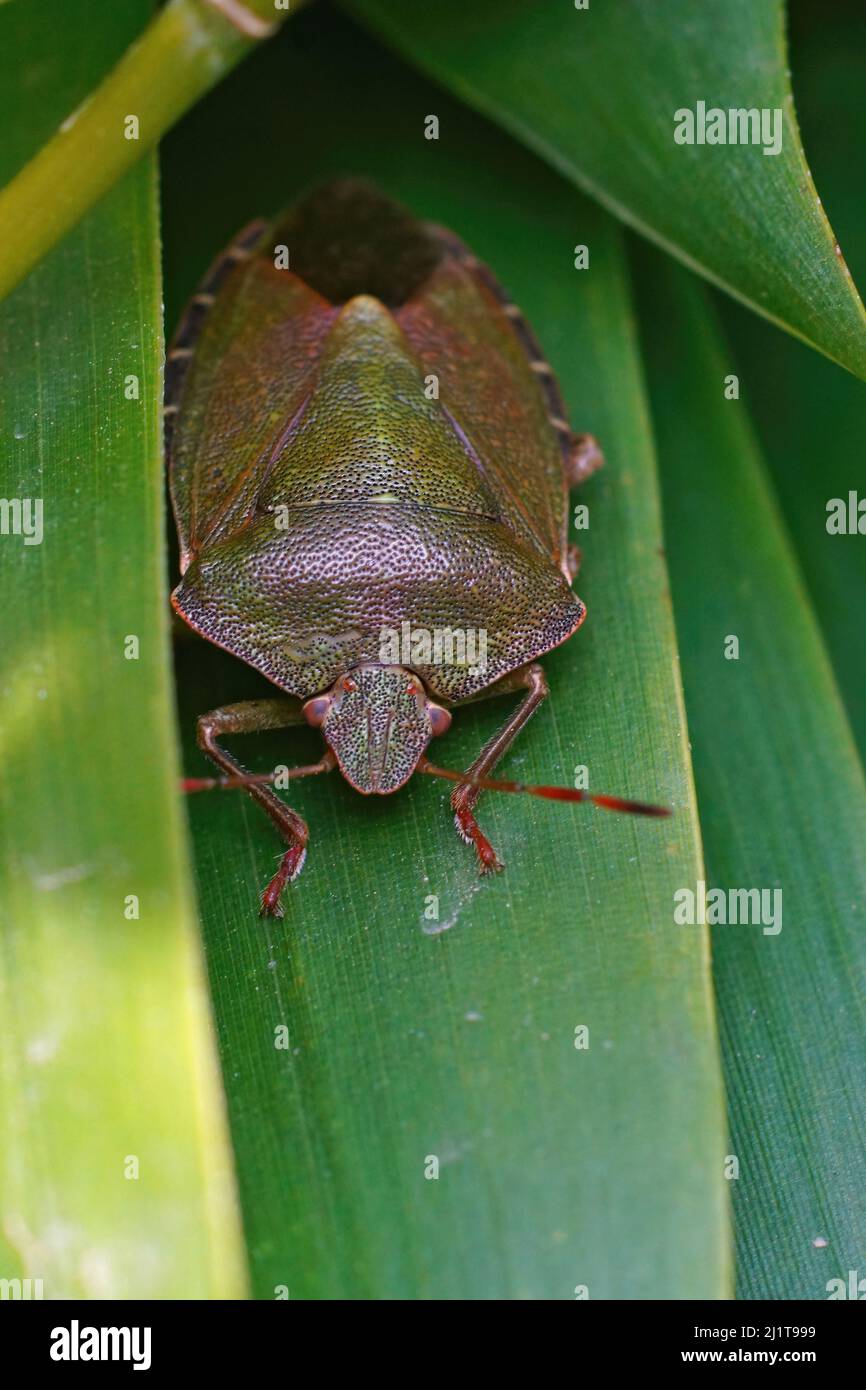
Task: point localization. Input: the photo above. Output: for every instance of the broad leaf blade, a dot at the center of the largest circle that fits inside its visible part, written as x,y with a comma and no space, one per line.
783,807
812,419
595,92
558,1167
116,1172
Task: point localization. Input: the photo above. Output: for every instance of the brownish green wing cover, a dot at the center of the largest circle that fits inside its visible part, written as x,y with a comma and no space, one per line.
252,367
345,461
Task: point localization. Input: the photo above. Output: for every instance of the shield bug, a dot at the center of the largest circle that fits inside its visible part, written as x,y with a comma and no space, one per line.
369,454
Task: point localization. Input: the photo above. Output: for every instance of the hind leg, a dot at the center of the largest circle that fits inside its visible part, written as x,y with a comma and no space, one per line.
582,458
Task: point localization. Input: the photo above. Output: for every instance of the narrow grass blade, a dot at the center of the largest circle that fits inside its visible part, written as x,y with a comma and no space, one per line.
783,809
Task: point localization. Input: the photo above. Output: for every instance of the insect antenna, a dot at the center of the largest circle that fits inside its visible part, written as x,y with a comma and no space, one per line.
494,784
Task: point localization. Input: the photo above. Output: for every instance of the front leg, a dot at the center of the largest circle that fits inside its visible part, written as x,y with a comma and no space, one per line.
532,679
255,716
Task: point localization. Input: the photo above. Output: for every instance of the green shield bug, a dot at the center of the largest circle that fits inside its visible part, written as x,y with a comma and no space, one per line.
369,468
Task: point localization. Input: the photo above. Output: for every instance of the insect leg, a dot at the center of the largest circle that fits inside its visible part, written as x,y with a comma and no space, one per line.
254,716
582,458
464,798
573,557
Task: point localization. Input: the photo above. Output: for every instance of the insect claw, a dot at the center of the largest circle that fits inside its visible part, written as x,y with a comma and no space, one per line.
269,909
488,862
489,865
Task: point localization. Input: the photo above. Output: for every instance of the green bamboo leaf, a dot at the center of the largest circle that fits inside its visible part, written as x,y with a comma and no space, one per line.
811,418
783,807
452,1035
108,1058
596,91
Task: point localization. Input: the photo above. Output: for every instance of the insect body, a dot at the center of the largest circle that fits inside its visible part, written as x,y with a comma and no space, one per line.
366,444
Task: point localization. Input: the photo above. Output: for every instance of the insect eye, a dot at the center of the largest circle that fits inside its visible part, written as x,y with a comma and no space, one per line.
316,709
440,719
